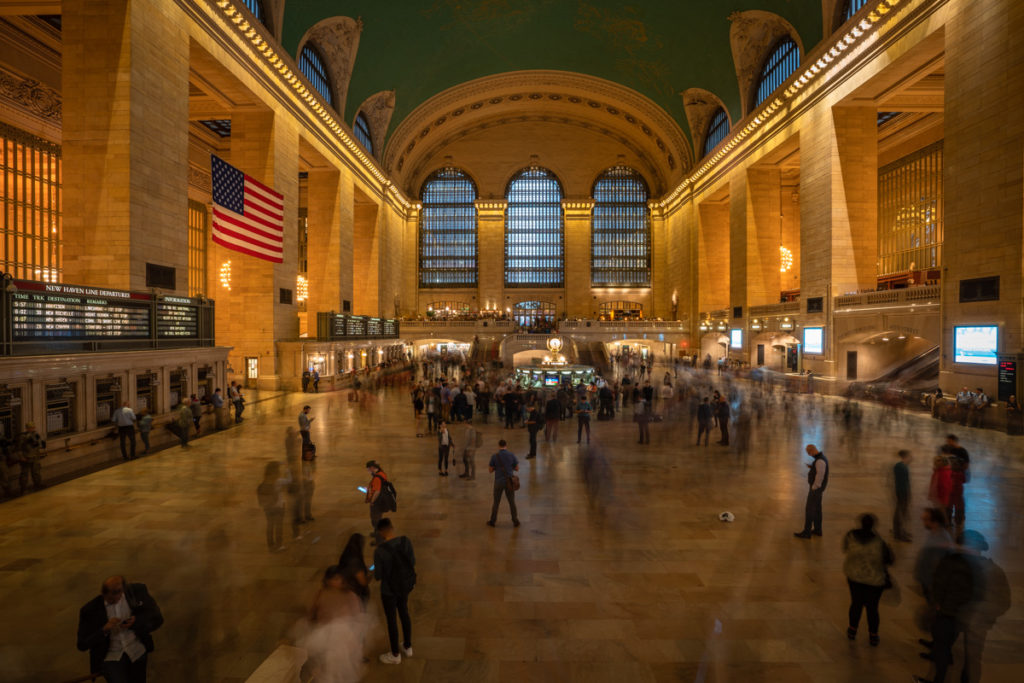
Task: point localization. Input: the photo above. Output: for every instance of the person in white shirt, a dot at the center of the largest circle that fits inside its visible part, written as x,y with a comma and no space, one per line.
115,628
124,418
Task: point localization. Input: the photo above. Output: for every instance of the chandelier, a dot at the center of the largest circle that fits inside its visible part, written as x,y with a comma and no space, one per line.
785,259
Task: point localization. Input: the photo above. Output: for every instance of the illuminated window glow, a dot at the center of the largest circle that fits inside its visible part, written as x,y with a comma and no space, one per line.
620,235
447,234
534,230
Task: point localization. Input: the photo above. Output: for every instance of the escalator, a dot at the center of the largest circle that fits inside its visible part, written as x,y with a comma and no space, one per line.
595,355
910,379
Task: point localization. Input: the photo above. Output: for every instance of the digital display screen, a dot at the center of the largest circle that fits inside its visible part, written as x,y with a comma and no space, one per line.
355,326
976,344
551,381
814,340
735,339
37,316
176,320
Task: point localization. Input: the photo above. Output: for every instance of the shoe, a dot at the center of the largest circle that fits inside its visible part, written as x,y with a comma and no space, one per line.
802,534
446,473
873,639
530,457
515,522
490,523
309,519
851,633
815,533
407,651
463,476
388,658
440,473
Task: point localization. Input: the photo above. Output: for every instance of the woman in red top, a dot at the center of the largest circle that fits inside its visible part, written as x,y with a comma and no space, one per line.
941,487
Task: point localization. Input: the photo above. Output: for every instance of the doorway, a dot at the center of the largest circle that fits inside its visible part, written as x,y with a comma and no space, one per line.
760,355
851,365
252,371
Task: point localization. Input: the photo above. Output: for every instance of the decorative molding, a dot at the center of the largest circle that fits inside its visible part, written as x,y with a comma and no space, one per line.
378,109
700,106
200,178
556,90
337,41
490,209
31,95
865,29
577,209
751,36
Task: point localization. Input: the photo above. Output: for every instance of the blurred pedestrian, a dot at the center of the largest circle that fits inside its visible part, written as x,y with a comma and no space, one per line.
817,481
867,557
901,491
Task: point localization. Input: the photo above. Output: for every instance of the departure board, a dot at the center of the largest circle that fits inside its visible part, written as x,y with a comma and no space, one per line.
177,318
331,326
79,313
355,326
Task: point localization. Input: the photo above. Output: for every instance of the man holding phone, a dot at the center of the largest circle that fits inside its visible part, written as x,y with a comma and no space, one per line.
373,491
115,628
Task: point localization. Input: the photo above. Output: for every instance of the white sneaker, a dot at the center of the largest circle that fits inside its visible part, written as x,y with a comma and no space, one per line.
407,651
388,658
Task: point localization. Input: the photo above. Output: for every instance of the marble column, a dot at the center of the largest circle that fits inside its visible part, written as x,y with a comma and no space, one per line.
490,221
579,299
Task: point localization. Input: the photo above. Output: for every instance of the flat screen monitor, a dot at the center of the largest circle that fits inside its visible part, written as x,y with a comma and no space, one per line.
735,339
551,380
975,344
814,340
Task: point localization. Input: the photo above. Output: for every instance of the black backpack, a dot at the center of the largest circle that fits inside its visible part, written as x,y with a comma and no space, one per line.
388,495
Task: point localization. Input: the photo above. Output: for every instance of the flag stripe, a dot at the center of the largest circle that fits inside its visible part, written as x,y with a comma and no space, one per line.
247,224
245,250
248,216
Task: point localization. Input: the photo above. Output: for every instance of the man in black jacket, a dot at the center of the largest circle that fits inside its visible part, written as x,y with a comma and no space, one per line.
394,565
115,628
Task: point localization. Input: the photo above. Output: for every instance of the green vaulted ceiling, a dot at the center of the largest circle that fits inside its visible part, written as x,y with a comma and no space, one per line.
657,47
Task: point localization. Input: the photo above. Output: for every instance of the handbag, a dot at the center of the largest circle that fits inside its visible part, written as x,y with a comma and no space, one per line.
512,482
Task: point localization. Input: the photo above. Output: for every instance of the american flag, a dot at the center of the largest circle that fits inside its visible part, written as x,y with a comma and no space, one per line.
248,216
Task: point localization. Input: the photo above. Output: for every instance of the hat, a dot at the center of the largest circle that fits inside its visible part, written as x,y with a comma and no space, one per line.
973,539
372,463
727,517
30,425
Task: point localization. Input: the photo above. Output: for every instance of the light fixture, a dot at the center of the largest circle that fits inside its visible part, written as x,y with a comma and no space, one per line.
785,259
225,275
301,288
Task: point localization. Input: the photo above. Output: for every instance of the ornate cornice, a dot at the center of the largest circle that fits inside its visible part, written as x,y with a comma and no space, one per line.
200,178
577,209
30,95
786,102
490,209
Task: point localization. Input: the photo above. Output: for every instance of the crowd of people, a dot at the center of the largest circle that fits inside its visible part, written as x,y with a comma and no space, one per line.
962,591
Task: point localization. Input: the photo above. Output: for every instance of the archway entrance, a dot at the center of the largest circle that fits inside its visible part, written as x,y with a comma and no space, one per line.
528,313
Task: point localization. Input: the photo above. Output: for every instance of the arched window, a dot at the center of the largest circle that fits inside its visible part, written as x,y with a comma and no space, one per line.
781,63
534,230
256,7
312,67
620,234
850,7
718,128
447,235
362,131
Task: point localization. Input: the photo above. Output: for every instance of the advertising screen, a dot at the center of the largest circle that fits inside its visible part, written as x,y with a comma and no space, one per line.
814,340
735,339
551,380
976,344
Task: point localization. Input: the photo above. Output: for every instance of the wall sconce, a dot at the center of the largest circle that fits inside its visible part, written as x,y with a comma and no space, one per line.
301,288
785,259
225,275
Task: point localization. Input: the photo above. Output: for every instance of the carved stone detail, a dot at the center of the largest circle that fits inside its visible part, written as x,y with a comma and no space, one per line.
31,95
200,178
377,109
337,41
751,36
700,106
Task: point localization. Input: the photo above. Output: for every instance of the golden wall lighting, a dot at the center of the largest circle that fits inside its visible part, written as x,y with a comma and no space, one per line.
785,259
301,288
225,275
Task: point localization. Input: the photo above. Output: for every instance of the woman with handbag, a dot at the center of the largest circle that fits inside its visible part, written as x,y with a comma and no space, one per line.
865,566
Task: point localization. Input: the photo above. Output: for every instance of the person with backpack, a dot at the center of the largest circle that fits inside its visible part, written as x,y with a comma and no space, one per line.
380,494
394,565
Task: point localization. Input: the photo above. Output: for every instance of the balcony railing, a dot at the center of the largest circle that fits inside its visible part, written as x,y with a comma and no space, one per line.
927,294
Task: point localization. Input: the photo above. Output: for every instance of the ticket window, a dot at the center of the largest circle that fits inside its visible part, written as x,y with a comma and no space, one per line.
204,388
108,399
178,387
10,413
317,363
60,408
145,393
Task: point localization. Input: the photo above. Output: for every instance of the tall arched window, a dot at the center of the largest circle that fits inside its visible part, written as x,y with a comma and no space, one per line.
620,235
362,131
781,63
312,67
718,128
256,7
850,7
447,239
534,230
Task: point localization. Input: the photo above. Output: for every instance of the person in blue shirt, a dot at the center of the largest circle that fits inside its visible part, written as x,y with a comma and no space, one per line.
583,410
503,464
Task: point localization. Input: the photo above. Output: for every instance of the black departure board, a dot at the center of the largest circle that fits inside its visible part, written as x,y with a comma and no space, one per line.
331,326
177,318
1007,379
390,328
64,313
355,326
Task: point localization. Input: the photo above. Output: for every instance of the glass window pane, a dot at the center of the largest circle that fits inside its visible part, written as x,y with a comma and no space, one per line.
447,234
534,230
620,231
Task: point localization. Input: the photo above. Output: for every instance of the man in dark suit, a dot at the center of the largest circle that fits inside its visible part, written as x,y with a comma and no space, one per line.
115,628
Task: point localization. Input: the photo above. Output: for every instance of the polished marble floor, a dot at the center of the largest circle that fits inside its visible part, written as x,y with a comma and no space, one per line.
620,571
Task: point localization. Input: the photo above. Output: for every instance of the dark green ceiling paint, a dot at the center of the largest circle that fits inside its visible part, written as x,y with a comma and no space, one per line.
657,47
